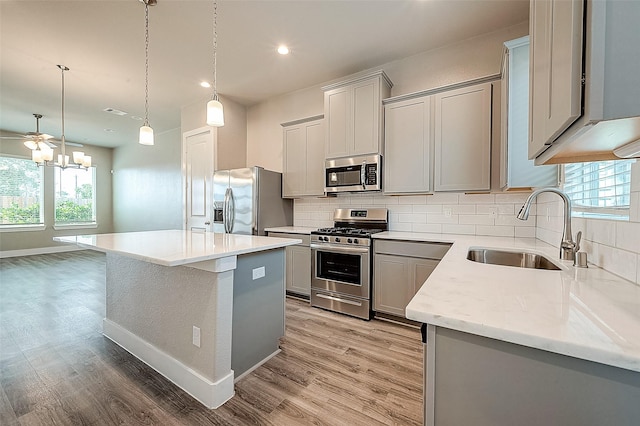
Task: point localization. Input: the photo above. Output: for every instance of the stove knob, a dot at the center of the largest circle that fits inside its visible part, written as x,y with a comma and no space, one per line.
337,239
349,240
325,238
355,241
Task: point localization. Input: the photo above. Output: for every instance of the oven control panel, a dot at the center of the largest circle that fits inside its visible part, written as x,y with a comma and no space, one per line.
341,240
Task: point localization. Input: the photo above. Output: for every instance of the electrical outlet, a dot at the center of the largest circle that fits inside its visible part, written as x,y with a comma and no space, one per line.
548,215
447,212
258,273
196,336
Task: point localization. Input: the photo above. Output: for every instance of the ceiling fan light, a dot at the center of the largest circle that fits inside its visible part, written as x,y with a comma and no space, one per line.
36,156
31,144
146,135
215,113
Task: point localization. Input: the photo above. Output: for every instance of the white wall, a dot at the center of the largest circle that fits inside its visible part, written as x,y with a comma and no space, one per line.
613,245
231,149
147,184
467,60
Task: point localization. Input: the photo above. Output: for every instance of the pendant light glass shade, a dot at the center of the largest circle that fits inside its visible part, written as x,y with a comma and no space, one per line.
146,135
215,113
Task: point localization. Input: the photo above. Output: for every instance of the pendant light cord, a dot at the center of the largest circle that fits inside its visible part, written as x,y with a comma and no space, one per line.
146,64
215,48
63,146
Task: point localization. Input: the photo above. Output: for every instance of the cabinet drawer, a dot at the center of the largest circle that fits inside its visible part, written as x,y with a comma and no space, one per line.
411,249
306,239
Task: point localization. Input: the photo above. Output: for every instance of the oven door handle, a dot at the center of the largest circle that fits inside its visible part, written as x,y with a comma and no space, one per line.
339,249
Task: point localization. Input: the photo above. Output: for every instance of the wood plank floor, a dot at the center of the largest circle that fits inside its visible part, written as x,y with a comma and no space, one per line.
56,368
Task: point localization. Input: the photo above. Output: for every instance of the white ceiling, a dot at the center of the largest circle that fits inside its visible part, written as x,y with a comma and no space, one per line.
102,42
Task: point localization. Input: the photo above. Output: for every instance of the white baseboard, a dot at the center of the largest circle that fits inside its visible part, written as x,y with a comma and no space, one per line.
211,394
40,250
240,377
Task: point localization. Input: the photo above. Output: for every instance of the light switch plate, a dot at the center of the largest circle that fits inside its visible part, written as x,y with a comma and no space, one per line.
196,336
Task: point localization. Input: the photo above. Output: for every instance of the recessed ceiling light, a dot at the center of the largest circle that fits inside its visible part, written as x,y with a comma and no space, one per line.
135,117
283,50
205,84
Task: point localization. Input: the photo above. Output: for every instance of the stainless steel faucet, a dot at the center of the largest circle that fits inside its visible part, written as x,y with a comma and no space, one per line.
568,247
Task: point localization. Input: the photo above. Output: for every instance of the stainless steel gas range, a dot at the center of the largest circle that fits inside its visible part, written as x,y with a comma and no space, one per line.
341,261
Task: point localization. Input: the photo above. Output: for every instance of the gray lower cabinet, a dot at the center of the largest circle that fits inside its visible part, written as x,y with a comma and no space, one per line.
475,380
298,264
399,270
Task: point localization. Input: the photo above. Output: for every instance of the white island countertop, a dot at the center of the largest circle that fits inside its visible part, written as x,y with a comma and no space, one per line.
584,313
306,230
177,247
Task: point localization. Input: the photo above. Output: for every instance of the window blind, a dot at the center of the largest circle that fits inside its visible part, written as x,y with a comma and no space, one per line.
599,187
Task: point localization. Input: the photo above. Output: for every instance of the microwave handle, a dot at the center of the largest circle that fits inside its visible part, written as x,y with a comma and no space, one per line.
363,174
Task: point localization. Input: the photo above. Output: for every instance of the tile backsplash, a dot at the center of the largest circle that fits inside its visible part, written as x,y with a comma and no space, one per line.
613,245
448,213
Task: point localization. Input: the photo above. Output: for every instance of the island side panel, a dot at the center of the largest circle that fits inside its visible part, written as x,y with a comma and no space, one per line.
160,305
482,381
258,309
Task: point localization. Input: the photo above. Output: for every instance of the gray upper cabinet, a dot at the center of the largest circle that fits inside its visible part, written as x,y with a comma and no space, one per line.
585,79
303,168
354,115
516,170
408,146
556,72
462,139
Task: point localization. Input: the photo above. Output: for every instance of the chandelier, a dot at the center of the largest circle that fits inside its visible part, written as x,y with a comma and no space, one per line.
42,154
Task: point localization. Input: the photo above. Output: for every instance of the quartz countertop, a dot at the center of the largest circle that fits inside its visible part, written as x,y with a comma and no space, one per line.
292,229
177,247
586,313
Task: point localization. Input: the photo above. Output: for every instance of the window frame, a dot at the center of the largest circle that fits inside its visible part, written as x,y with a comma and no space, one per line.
21,227
76,225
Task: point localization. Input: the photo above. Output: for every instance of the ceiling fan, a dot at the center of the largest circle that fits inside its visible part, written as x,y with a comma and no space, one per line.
33,140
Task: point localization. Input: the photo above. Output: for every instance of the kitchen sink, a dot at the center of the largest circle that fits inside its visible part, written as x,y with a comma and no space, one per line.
520,259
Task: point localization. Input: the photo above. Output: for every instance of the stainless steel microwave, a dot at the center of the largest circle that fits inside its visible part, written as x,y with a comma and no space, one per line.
354,174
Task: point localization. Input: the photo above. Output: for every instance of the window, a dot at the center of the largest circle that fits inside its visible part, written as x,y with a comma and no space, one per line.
599,188
75,196
20,192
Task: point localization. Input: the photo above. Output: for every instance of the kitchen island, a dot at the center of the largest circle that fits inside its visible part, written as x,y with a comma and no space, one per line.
199,308
510,345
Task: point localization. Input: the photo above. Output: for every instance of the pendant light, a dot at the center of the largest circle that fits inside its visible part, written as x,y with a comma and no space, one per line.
43,154
215,112
146,132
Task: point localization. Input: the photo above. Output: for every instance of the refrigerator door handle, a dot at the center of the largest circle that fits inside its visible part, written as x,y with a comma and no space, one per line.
232,210
225,211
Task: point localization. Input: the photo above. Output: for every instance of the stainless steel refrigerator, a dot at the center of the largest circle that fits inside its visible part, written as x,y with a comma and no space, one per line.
246,201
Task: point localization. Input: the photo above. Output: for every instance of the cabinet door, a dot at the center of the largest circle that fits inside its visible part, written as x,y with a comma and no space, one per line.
556,69
408,144
314,158
294,161
463,139
299,270
419,271
339,122
391,278
366,118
